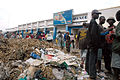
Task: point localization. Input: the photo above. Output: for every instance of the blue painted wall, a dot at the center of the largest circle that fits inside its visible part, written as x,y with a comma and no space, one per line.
18,31
22,31
45,30
31,31
67,29
26,30
73,27
54,33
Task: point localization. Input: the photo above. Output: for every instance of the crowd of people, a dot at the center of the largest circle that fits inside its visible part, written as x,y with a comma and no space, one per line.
103,42
28,35
65,40
100,42
74,41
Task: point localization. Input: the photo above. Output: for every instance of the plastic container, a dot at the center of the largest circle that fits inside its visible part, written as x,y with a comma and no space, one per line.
34,55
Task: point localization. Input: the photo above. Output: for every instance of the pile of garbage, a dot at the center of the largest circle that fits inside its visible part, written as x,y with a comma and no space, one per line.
20,49
25,59
31,59
52,64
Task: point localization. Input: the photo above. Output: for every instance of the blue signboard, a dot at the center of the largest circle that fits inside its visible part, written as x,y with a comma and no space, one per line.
61,18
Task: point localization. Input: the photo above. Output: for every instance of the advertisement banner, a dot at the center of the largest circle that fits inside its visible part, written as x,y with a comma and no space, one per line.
62,18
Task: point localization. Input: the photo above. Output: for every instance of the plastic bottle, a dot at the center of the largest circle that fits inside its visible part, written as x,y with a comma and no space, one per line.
35,55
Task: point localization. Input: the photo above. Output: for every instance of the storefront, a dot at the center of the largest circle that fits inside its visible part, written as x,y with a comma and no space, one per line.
66,21
77,23
71,23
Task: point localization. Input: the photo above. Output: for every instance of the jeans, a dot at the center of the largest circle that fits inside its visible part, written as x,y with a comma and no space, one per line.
99,58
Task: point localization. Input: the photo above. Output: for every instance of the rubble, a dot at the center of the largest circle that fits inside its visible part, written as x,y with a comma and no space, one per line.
20,49
26,59
13,54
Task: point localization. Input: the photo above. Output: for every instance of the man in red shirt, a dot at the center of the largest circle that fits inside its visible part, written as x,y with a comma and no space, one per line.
109,41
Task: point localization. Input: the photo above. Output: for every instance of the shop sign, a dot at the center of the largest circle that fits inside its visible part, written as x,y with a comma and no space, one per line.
80,18
62,18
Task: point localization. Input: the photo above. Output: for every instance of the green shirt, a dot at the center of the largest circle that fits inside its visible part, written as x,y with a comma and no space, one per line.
116,42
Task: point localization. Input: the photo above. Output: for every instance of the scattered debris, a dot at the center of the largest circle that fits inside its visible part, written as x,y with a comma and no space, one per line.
31,59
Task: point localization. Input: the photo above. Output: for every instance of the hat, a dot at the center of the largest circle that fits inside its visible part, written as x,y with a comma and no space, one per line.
96,12
59,31
111,18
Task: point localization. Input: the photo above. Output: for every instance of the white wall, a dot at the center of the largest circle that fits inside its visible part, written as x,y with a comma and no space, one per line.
105,12
110,12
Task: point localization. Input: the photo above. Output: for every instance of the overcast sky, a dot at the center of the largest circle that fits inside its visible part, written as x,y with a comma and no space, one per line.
16,12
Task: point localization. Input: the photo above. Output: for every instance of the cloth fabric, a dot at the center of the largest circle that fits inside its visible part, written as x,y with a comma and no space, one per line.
68,43
32,36
105,33
115,60
92,62
27,36
87,61
83,39
105,49
102,36
39,37
73,43
116,73
107,53
65,37
99,56
93,34
83,44
71,37
108,38
116,42
60,40
94,38
116,54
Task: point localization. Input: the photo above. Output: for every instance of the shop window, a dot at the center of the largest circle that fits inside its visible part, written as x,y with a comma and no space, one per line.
74,18
77,18
85,17
80,17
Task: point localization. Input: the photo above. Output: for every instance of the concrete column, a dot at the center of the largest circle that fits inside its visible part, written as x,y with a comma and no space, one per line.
54,33
45,30
26,28
22,31
45,25
31,31
18,30
31,28
37,29
67,28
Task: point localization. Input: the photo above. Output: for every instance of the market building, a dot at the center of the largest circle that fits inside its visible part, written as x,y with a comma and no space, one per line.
73,26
